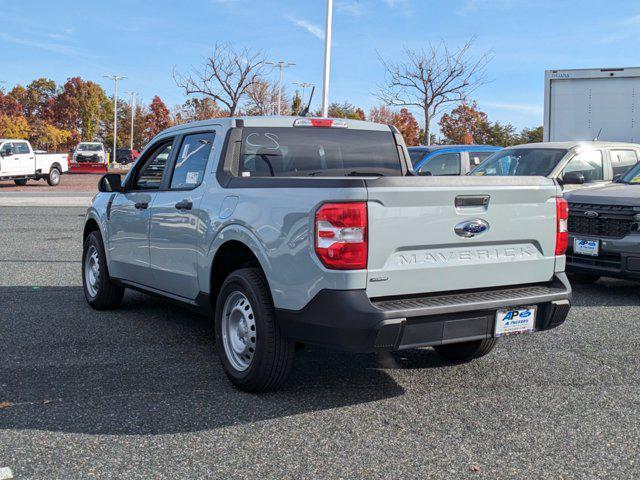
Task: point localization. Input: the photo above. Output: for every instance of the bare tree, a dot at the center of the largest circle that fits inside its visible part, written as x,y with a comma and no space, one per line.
433,78
263,98
226,76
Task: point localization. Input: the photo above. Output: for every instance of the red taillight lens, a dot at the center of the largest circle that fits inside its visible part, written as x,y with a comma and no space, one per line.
562,228
341,235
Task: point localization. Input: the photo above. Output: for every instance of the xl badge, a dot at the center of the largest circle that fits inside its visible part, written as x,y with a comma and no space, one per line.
471,228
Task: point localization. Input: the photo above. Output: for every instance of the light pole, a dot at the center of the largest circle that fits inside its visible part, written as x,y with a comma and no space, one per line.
133,114
304,86
327,60
115,79
280,65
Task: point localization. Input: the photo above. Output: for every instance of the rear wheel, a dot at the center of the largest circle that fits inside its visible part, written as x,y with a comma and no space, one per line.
21,182
53,178
99,291
255,355
584,278
466,351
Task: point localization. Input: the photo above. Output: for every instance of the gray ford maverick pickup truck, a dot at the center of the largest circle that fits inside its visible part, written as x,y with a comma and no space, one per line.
315,230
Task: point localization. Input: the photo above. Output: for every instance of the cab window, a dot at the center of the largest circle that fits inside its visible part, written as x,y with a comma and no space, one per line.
622,160
149,176
588,163
21,147
192,160
476,158
6,147
442,164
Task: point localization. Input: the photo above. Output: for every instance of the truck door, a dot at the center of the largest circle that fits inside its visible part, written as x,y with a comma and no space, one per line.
24,159
128,244
176,231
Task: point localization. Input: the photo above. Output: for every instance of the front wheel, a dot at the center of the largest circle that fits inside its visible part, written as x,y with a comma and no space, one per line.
99,291
53,178
466,351
254,353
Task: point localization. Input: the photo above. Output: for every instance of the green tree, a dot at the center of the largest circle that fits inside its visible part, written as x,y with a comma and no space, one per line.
531,135
344,110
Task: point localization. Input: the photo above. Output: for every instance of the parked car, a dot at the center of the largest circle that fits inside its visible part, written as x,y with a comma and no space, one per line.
93,152
314,230
572,164
449,159
604,230
18,162
125,156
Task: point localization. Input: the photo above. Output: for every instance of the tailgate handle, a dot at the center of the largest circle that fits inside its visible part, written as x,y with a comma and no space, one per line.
472,201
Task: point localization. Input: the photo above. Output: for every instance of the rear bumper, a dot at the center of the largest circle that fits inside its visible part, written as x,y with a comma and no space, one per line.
349,320
618,258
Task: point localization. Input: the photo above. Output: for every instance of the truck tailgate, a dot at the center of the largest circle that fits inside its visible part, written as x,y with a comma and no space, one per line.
414,247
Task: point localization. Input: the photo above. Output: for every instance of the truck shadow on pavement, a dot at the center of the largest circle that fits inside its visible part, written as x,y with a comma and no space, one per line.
148,368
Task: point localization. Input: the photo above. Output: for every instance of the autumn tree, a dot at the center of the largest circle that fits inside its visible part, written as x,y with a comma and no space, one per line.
382,114
530,135
408,126
432,79
226,76
344,110
50,137
195,109
83,106
465,124
296,104
14,126
158,117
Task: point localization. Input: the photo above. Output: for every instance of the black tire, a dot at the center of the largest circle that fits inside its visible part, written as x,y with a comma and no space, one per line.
583,278
53,178
466,351
21,182
273,356
104,295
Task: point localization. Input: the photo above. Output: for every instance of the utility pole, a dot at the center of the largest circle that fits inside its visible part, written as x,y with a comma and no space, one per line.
133,114
304,86
280,65
327,60
115,79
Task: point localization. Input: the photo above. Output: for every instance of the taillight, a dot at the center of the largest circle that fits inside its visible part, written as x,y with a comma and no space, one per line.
562,226
341,235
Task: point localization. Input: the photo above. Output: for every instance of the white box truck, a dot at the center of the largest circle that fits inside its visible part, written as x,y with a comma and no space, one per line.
584,104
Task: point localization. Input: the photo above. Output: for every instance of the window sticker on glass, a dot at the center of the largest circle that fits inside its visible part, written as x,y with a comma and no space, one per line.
192,177
635,180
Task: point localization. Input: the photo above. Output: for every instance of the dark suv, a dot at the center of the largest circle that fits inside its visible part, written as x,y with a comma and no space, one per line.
604,230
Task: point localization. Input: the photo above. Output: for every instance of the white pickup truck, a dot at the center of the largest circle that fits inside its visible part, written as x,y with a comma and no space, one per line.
18,162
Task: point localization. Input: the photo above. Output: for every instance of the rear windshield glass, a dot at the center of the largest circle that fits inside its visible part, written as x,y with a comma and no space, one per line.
521,162
312,151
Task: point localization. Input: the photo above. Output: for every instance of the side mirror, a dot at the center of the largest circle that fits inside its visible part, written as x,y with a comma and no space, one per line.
573,178
111,182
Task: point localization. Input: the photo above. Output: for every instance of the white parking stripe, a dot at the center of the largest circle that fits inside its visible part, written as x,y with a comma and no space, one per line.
5,473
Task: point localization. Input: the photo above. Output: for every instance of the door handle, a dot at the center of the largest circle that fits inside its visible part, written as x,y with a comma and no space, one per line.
142,205
184,205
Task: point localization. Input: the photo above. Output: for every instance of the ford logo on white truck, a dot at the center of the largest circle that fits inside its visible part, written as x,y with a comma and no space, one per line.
471,228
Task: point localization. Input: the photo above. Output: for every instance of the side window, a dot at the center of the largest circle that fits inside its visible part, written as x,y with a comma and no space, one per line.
588,163
192,160
149,177
21,147
476,158
622,160
6,147
443,164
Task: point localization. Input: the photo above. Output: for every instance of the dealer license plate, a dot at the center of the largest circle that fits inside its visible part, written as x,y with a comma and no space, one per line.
586,247
511,321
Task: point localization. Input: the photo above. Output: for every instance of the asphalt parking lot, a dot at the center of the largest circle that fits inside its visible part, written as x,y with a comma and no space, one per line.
139,393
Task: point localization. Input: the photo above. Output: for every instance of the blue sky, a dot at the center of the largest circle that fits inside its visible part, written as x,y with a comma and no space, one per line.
144,40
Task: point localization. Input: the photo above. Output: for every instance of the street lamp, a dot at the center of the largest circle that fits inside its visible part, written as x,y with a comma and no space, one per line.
115,79
280,65
133,113
303,86
327,60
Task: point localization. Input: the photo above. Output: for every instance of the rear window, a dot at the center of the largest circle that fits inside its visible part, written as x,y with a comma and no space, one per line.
311,151
521,162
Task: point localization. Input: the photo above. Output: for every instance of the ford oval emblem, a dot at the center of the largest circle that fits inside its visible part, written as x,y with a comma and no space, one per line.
471,228
591,214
